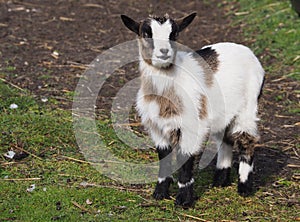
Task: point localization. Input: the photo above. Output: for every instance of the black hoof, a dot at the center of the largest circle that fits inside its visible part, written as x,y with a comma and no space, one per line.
222,178
246,189
162,189
185,197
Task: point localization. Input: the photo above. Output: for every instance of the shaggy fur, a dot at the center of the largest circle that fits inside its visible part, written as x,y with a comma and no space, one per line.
185,96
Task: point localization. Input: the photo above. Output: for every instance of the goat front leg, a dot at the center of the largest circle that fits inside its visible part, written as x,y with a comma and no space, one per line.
190,142
165,172
185,196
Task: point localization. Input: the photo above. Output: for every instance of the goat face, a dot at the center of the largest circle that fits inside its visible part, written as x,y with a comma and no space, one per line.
157,36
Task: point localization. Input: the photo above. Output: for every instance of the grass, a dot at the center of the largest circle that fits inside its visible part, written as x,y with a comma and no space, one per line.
272,27
68,188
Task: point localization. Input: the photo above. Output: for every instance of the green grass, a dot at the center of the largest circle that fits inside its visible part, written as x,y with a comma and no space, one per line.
273,29
55,160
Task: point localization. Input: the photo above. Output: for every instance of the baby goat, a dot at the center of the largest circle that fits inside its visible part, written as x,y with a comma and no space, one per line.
184,96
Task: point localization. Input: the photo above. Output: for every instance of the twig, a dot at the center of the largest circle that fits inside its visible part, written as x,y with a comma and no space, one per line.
78,66
148,205
83,161
129,124
281,116
193,217
8,163
25,151
241,13
114,187
92,5
66,19
296,153
293,166
76,160
20,179
13,85
69,175
82,207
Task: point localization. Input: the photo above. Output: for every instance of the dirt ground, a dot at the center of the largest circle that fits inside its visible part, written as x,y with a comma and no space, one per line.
49,43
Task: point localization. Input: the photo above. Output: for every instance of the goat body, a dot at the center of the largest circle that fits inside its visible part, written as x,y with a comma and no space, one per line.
186,95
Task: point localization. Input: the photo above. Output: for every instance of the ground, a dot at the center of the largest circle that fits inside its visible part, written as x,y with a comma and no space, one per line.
46,46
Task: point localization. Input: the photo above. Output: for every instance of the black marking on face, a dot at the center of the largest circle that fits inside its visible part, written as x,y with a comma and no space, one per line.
147,38
175,31
161,20
145,29
145,34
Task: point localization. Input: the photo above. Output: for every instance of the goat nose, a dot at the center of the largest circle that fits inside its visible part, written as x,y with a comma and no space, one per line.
164,51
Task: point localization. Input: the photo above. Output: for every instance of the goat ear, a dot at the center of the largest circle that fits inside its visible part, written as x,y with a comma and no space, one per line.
184,22
131,24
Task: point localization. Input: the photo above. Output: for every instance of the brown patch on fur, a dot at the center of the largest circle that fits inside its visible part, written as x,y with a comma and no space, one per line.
210,64
203,107
169,103
245,143
146,51
175,137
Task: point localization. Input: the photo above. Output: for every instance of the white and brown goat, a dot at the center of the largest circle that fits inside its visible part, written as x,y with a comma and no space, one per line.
184,96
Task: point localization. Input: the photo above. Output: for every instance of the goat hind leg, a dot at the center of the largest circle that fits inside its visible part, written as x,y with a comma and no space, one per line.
245,143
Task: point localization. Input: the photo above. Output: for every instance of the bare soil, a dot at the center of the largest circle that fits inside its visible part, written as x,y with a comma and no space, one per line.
50,43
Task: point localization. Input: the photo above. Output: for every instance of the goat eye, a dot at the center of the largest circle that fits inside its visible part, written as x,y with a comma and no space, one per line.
173,35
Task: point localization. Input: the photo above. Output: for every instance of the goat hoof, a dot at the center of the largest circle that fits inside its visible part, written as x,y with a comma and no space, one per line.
162,189
161,195
185,197
245,189
222,178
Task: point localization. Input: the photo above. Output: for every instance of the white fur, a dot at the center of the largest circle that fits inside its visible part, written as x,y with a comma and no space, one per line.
239,78
182,185
233,94
244,170
160,36
224,156
188,84
160,179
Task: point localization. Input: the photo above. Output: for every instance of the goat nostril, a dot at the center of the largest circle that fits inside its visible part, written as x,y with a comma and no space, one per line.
164,51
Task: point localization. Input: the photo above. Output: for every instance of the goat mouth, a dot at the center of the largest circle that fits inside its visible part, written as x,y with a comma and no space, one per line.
164,57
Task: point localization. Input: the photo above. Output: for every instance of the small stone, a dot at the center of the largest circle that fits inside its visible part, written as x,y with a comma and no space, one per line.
88,202
10,154
31,188
13,106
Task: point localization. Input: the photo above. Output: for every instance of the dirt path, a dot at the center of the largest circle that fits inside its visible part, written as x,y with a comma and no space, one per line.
46,45
33,32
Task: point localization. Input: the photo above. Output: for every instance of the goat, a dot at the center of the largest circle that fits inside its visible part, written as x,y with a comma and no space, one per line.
181,100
